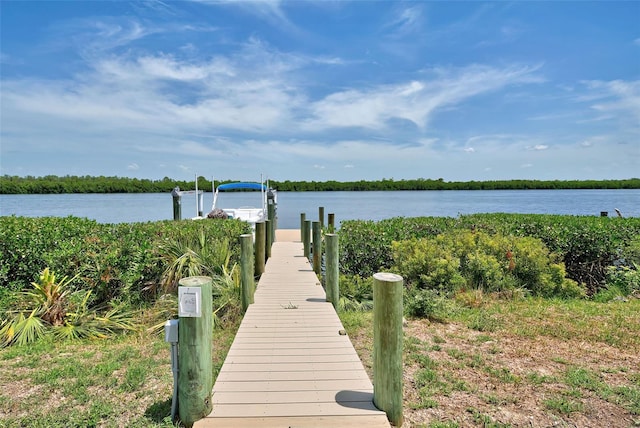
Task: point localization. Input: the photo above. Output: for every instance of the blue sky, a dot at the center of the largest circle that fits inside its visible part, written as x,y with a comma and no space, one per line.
321,90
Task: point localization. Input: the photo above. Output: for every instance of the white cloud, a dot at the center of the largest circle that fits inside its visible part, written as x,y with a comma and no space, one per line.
415,101
469,149
133,167
614,98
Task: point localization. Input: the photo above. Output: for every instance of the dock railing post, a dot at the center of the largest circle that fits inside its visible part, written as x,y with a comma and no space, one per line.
303,218
387,345
268,240
331,217
195,331
332,274
246,270
306,238
321,216
317,247
177,206
260,253
271,215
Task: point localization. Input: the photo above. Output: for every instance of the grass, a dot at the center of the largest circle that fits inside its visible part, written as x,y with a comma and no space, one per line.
517,362
123,382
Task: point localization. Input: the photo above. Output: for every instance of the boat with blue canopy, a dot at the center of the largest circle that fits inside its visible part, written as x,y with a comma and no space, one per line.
250,214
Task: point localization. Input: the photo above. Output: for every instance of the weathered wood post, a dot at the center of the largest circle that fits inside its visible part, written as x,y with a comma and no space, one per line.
317,247
271,215
268,240
387,345
195,375
260,254
303,218
246,270
306,238
177,205
332,222
321,216
332,274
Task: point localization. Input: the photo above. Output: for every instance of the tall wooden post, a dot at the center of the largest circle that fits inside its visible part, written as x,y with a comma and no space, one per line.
246,270
387,345
317,247
268,240
303,218
177,205
271,215
261,240
306,238
195,375
332,222
332,274
321,216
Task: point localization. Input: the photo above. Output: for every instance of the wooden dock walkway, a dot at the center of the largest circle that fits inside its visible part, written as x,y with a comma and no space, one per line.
289,366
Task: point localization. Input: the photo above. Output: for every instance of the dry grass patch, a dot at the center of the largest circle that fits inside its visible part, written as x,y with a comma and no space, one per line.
542,364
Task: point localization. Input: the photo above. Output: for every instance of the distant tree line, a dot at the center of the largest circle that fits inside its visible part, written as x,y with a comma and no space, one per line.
87,184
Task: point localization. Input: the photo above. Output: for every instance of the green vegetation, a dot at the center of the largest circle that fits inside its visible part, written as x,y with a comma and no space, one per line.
87,184
502,308
499,251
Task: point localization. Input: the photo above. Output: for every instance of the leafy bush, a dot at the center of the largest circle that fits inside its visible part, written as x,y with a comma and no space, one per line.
115,261
356,293
476,260
51,308
425,303
586,245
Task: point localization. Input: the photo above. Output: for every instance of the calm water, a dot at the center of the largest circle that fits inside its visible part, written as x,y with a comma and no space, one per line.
120,208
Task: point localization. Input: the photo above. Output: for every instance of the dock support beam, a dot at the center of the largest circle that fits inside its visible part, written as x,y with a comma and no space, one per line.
332,274
387,345
195,374
303,218
246,270
331,217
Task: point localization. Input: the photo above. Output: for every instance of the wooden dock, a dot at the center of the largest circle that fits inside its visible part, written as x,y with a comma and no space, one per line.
290,364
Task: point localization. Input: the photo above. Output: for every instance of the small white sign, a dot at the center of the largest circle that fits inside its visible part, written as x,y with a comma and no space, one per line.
190,302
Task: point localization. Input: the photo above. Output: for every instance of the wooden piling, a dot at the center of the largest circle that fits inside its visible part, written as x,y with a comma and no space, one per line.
387,345
303,218
268,240
271,215
260,253
332,275
246,270
177,205
306,238
317,247
195,375
332,222
321,216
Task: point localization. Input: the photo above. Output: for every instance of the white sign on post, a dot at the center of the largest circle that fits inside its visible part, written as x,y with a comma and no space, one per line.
189,302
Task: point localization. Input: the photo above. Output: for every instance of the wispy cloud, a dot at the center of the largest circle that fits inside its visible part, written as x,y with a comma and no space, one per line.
415,101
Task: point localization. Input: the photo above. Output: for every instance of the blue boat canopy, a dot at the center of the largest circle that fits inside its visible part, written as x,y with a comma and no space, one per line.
242,185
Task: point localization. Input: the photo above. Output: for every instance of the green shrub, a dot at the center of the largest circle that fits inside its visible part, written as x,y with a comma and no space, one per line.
115,261
426,303
428,264
476,260
356,293
586,245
